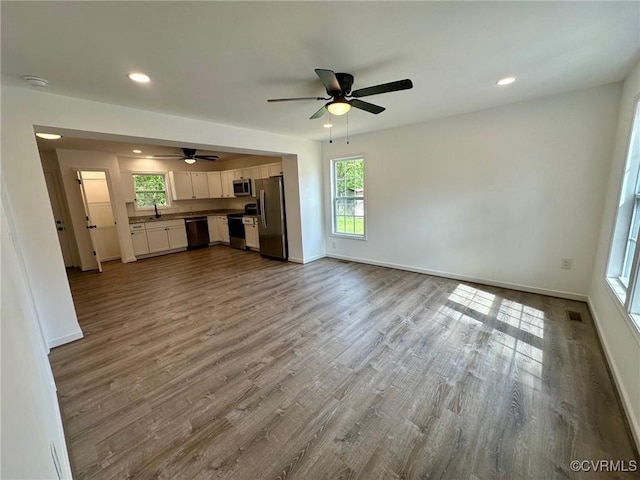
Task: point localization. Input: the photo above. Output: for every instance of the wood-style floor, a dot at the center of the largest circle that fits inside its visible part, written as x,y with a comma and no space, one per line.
217,363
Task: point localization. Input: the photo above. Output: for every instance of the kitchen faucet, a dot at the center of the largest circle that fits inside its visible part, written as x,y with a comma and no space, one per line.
155,207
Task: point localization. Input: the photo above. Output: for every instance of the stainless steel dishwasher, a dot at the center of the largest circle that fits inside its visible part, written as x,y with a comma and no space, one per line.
197,232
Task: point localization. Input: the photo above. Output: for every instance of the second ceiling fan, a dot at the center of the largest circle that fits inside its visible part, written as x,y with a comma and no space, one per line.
188,155
338,87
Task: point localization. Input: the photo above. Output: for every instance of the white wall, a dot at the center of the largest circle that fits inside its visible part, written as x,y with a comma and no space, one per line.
497,196
30,418
72,160
620,338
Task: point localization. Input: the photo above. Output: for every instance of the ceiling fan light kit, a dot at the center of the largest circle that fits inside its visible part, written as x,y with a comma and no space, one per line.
338,107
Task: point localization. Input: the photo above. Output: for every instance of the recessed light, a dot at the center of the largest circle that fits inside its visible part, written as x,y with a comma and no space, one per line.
139,77
327,125
137,151
49,136
35,81
506,81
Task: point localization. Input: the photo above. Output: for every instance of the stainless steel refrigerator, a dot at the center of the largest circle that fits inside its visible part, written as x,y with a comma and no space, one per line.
272,221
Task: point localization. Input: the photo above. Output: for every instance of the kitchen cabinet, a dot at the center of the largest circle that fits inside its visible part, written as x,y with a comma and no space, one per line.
227,177
275,169
223,228
214,229
214,179
128,190
166,235
139,239
189,185
251,232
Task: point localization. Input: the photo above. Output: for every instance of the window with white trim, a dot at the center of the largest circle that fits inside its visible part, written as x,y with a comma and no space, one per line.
347,193
151,190
624,256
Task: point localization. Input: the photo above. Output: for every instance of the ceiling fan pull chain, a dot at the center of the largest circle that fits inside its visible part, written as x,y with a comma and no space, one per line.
347,128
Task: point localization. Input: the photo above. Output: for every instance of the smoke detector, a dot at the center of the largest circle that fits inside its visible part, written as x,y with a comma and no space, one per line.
35,81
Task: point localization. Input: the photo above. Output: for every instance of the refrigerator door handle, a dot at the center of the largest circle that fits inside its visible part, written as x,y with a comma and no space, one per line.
263,209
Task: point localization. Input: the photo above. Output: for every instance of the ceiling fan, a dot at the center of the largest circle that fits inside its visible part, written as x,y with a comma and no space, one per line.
188,155
338,87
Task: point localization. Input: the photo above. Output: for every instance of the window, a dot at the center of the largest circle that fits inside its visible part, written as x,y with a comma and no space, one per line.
151,189
347,192
624,258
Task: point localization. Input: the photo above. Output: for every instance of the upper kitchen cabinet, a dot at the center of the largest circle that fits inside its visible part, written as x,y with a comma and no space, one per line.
129,191
189,185
227,178
275,169
215,184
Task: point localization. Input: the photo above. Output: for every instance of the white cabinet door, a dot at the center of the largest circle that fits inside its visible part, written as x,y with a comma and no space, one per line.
158,240
246,173
214,235
140,245
126,180
223,229
275,169
227,178
264,171
200,184
215,184
181,188
177,236
251,235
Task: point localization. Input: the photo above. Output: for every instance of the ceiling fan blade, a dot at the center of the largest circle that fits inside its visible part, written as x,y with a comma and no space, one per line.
383,88
369,107
295,99
169,155
206,157
330,81
319,113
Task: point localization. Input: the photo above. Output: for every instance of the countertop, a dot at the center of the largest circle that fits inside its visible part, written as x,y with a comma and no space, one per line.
181,215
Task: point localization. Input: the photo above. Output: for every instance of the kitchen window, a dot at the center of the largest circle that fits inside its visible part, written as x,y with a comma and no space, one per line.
347,192
151,190
624,258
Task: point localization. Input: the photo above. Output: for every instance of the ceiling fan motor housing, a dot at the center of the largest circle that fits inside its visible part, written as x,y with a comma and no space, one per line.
346,82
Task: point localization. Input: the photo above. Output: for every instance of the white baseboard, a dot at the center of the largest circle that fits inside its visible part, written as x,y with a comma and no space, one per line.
129,260
56,342
296,260
484,281
627,405
313,258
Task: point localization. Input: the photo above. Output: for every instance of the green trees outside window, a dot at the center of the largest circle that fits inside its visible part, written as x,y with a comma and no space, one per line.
348,196
151,189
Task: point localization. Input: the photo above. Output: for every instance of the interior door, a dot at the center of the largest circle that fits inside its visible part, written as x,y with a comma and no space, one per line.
54,190
90,225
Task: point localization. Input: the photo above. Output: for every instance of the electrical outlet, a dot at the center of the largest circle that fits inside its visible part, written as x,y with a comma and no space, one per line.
566,263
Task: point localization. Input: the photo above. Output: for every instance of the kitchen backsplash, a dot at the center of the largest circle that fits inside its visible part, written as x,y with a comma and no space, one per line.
181,206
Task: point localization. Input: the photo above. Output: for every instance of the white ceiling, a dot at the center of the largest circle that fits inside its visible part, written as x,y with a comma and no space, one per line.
221,61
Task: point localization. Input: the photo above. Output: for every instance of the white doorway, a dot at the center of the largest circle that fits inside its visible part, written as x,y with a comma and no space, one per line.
100,216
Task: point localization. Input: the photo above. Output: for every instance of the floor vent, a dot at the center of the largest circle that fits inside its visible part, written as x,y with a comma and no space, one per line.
574,316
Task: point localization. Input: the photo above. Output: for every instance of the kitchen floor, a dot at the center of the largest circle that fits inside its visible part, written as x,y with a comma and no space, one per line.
217,363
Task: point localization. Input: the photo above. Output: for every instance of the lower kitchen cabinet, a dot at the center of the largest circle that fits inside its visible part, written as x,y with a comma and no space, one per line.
223,228
167,235
139,239
214,230
251,232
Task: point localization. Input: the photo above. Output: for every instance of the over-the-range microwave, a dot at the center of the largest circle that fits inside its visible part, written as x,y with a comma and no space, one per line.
242,187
